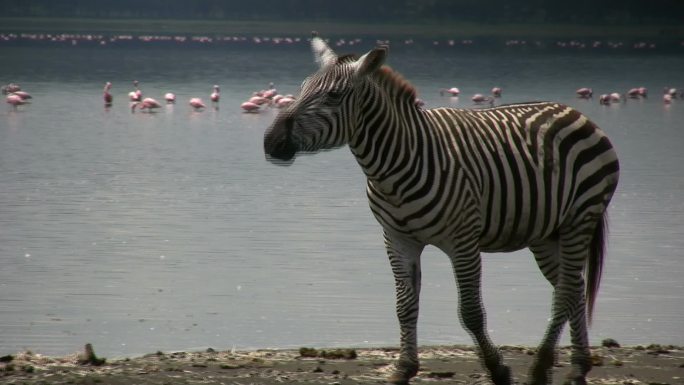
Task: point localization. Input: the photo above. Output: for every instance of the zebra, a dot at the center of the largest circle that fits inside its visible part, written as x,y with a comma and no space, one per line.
538,175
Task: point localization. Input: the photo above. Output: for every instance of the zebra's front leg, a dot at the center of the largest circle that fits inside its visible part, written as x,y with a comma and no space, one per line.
467,269
404,257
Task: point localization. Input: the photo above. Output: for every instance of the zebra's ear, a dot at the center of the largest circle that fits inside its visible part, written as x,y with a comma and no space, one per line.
371,61
323,55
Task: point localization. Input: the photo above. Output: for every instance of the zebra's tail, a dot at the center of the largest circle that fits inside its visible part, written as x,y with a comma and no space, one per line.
594,264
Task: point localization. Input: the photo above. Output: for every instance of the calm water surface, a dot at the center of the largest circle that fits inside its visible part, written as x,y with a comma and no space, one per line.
169,231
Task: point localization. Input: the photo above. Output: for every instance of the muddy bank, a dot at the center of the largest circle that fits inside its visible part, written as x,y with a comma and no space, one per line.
648,365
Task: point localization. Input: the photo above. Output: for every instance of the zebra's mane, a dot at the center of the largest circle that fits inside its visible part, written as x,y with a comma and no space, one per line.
390,78
347,58
386,76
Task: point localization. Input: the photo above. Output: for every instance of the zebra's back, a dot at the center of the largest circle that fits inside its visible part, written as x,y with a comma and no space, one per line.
531,167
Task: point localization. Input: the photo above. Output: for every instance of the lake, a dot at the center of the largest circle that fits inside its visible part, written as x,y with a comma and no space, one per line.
140,232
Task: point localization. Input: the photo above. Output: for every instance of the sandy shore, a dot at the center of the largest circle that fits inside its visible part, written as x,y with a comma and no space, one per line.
651,365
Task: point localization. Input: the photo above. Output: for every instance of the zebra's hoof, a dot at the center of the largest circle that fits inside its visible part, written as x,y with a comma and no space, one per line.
403,373
398,379
502,376
580,380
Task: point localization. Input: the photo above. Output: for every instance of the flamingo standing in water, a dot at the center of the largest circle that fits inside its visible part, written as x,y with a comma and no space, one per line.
496,92
15,101
197,104
216,95
633,93
606,99
250,106
106,95
636,93
10,88
667,98
136,95
148,104
270,92
22,94
480,99
281,101
170,98
259,100
453,91
670,91
584,93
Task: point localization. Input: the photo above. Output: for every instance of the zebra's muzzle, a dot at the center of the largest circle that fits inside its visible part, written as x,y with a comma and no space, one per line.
278,145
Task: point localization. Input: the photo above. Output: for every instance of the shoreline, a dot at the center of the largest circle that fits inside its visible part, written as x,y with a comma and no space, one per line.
19,32
335,28
649,365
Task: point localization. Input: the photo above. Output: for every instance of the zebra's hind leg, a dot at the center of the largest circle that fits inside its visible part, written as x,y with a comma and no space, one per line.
467,269
404,256
547,255
581,356
561,260
586,292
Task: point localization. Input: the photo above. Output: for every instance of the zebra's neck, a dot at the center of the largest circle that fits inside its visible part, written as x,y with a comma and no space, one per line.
391,136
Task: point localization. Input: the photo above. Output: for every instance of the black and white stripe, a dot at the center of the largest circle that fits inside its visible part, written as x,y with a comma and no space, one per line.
537,175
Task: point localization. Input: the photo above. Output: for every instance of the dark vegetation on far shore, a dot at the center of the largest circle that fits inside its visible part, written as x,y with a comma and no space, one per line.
536,12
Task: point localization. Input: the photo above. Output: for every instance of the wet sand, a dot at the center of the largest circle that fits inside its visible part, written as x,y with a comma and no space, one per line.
648,365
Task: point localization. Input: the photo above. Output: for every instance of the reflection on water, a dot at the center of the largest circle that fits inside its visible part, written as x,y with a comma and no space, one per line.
144,232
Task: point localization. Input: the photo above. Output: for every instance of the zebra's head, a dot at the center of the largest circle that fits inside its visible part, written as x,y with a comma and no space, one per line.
325,114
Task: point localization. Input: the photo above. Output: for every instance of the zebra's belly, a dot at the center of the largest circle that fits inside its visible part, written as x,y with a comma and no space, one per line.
511,230
446,237
448,226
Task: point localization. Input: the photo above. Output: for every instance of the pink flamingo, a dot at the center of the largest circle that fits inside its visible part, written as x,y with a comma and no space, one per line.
479,99
584,93
170,98
607,99
284,101
148,104
453,91
135,96
643,92
268,93
197,104
258,100
10,88
633,93
216,95
667,98
615,97
496,92
250,107
15,100
670,91
106,95
22,94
